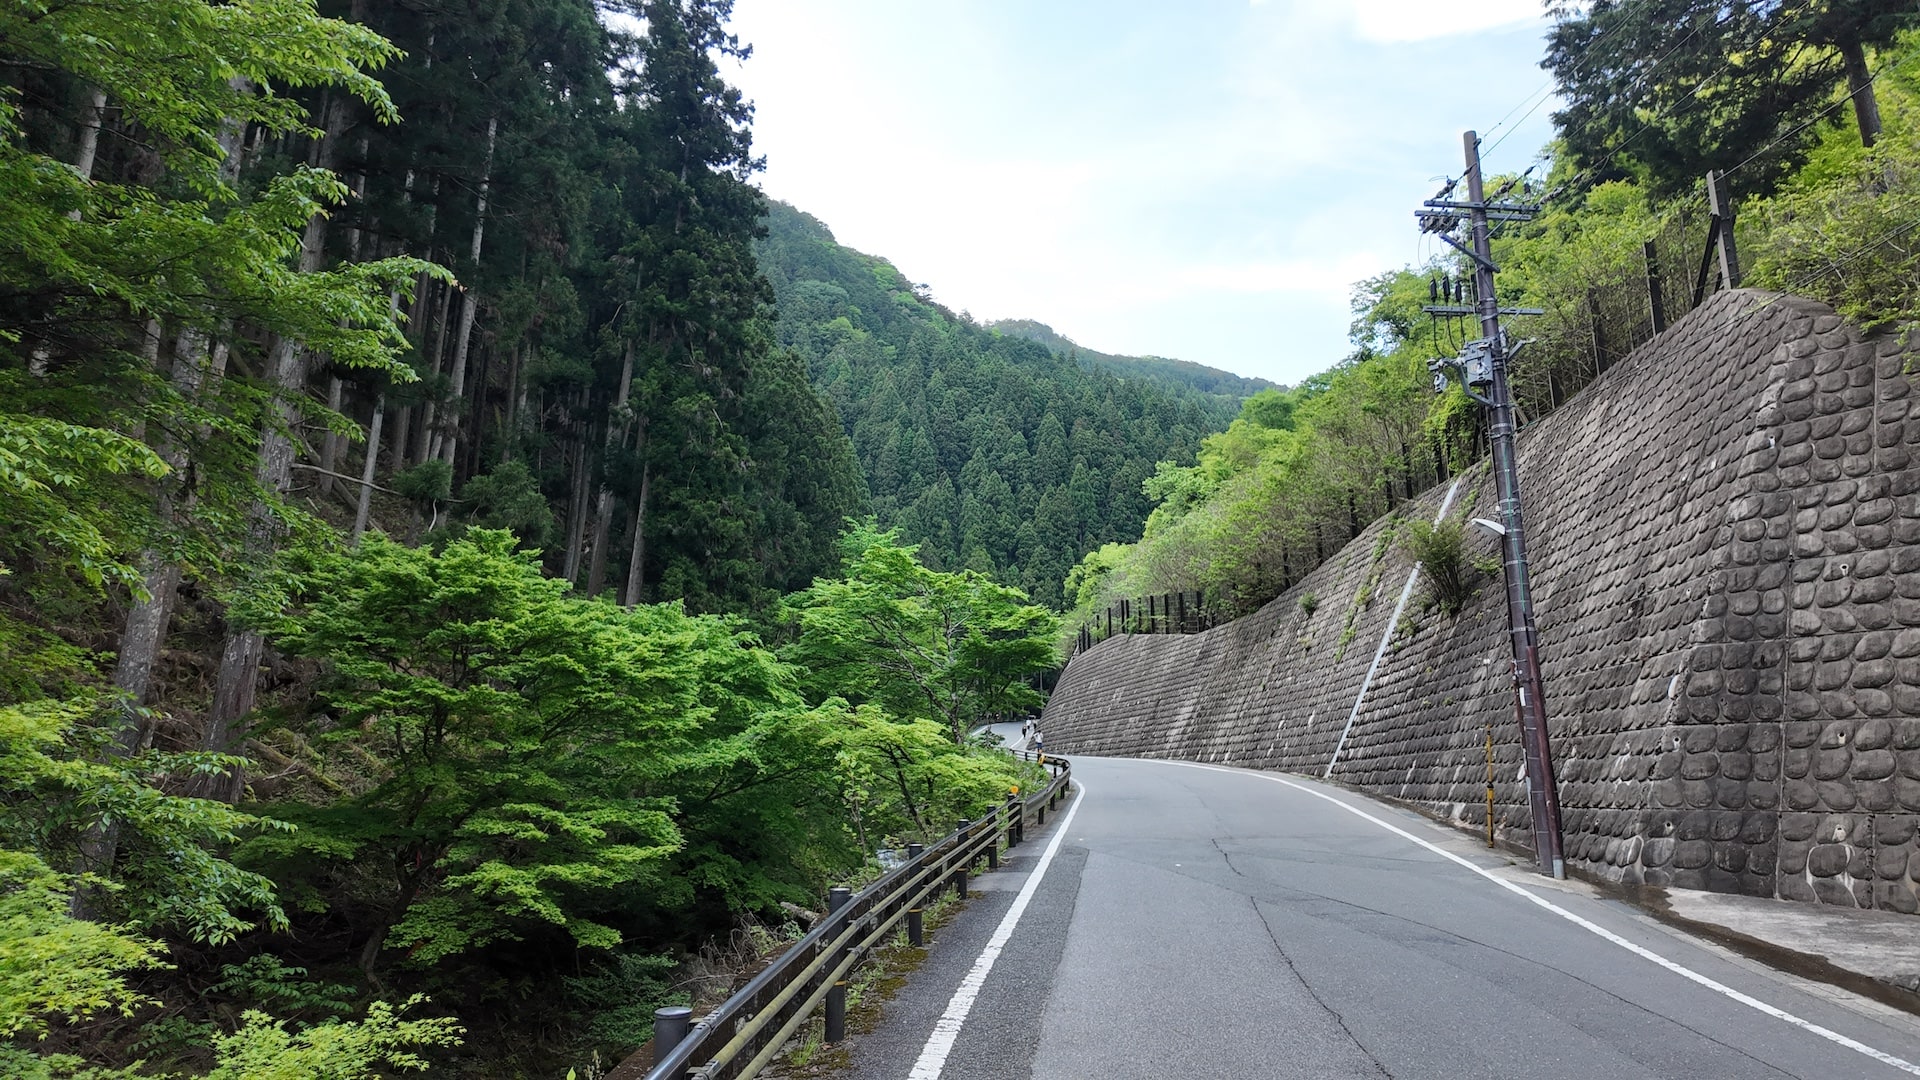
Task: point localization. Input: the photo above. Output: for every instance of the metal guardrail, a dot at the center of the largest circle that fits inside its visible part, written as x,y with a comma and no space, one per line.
742,1035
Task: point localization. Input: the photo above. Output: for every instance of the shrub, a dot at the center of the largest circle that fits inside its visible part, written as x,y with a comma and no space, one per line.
1440,550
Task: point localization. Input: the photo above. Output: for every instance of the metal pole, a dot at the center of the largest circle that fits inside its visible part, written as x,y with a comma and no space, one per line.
1542,793
670,1028
837,898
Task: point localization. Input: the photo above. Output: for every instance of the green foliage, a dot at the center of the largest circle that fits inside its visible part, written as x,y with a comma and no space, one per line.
1440,549
619,995
1289,477
952,648
1227,388
169,875
264,1048
52,964
427,482
506,498
1843,230
54,479
520,731
269,984
1309,603
1663,90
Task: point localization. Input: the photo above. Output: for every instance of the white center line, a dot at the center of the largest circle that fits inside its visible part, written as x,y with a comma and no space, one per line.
1585,924
933,1056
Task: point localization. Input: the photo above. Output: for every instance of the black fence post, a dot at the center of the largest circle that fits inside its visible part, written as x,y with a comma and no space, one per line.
960,874
837,898
916,931
1655,298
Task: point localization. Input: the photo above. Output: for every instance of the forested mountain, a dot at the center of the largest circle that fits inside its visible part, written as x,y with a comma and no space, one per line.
992,452
1231,388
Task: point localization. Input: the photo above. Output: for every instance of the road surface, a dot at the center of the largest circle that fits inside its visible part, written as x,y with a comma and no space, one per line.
1187,920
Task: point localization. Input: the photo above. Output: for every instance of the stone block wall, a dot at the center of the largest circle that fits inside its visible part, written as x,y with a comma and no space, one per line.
1725,531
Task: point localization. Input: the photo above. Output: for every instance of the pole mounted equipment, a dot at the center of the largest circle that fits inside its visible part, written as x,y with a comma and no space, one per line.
1482,368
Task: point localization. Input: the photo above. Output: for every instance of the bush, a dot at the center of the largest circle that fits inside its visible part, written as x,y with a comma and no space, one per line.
1440,549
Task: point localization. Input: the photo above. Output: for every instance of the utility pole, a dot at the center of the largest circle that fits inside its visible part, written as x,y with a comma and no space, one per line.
1483,365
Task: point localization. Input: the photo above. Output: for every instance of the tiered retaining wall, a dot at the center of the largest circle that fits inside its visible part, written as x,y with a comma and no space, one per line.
1725,532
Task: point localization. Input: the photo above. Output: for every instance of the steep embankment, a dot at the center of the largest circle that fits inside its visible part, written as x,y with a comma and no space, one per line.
1726,542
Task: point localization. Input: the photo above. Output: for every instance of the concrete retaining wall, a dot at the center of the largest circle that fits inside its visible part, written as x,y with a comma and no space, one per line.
1726,541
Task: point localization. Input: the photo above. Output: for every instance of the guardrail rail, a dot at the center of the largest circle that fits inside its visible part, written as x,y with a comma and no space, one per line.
742,1035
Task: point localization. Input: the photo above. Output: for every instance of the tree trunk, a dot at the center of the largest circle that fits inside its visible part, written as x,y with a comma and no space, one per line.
636,567
577,509
458,388
429,411
1866,107
330,444
366,469
84,153
89,146
240,657
617,414
516,400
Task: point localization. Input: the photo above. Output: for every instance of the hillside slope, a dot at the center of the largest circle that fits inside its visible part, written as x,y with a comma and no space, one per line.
989,450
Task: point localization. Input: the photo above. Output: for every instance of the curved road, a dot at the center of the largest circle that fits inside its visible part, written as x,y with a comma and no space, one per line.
1198,921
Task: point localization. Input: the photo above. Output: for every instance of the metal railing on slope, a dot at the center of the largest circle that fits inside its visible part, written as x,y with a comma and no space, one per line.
742,1035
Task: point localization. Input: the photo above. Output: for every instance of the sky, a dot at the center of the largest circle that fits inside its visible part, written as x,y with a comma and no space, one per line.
1203,180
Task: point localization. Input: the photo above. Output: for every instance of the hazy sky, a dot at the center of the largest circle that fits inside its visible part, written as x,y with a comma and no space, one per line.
1202,180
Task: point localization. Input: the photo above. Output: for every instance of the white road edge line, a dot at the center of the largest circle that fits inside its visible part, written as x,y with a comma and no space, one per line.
1585,924
933,1056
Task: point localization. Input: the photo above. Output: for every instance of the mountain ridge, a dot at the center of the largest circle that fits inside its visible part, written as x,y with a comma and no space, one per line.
1196,376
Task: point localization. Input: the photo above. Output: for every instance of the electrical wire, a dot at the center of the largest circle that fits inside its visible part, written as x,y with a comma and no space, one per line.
1545,92
1861,252
1817,117
1692,99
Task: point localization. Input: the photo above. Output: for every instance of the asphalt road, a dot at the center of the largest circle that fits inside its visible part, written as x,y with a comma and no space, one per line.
1198,921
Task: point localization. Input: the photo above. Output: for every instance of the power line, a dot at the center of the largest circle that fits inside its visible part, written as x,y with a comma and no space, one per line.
1836,265
1692,99
1817,117
1546,91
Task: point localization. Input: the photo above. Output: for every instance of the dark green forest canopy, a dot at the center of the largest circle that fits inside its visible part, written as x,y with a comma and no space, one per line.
991,452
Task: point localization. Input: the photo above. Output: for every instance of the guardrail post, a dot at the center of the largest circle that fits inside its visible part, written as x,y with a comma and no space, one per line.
1040,814
670,1028
916,932
1013,821
960,874
837,898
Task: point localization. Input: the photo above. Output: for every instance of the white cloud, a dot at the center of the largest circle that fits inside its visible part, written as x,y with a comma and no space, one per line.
1182,190
1393,21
